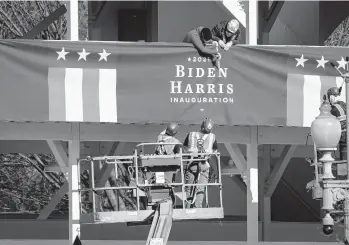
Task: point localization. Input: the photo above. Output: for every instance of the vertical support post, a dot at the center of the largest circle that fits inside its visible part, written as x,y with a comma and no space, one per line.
252,22
252,188
265,207
346,79
74,144
247,6
73,19
263,8
91,169
74,200
346,221
265,38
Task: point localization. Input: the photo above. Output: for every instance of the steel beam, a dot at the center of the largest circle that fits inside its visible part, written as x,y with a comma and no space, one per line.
62,160
45,23
252,189
279,169
73,19
60,155
252,22
104,173
265,206
272,15
236,155
74,203
284,136
146,133
40,146
35,131
44,214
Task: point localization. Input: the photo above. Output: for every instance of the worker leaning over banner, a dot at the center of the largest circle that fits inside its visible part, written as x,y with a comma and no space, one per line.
198,171
338,110
200,38
167,136
226,33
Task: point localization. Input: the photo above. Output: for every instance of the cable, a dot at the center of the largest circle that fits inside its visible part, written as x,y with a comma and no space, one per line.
306,142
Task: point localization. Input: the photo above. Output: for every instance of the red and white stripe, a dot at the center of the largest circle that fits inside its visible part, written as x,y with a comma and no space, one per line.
82,94
73,95
304,97
107,95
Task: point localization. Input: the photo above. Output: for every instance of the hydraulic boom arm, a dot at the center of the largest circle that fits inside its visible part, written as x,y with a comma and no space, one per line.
161,225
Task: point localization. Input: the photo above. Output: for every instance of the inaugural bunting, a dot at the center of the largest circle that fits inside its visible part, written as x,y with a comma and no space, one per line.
305,95
66,81
77,94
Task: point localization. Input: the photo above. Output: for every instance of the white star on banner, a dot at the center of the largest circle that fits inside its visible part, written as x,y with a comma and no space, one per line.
321,62
103,55
301,60
62,54
342,63
83,54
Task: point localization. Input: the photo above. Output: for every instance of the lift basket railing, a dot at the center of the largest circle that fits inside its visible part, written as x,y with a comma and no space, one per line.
138,162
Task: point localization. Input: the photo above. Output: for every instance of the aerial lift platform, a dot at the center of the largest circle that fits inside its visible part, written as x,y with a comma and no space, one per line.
157,187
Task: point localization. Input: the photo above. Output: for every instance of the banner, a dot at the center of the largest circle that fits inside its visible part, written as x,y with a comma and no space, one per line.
160,82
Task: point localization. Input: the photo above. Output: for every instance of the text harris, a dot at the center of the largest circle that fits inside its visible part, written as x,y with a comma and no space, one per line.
198,92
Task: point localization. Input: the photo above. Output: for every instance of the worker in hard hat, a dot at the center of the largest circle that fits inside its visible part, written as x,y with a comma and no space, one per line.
168,136
198,172
226,33
338,110
200,38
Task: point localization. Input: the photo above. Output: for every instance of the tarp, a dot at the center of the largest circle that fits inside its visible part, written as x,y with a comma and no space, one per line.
160,82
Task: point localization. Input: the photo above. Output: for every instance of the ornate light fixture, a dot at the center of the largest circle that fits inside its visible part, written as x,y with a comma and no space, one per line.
326,132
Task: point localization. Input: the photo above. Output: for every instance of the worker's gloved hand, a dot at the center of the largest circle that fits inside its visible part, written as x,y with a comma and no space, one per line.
228,46
222,44
215,60
215,43
218,56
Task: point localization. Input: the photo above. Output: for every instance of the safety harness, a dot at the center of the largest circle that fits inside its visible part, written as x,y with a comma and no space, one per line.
193,192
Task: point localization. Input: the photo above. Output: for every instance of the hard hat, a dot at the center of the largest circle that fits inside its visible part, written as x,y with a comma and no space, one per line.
207,126
333,91
233,26
172,129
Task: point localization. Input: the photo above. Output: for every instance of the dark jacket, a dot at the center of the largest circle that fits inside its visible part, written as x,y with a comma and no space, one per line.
219,33
194,38
339,110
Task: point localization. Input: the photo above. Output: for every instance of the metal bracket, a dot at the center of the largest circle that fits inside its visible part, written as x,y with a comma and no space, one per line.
336,183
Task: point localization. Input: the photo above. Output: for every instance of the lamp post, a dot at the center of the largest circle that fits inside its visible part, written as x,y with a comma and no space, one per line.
326,132
346,80
346,201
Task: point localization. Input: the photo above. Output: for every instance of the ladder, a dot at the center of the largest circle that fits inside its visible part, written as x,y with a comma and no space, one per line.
161,224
